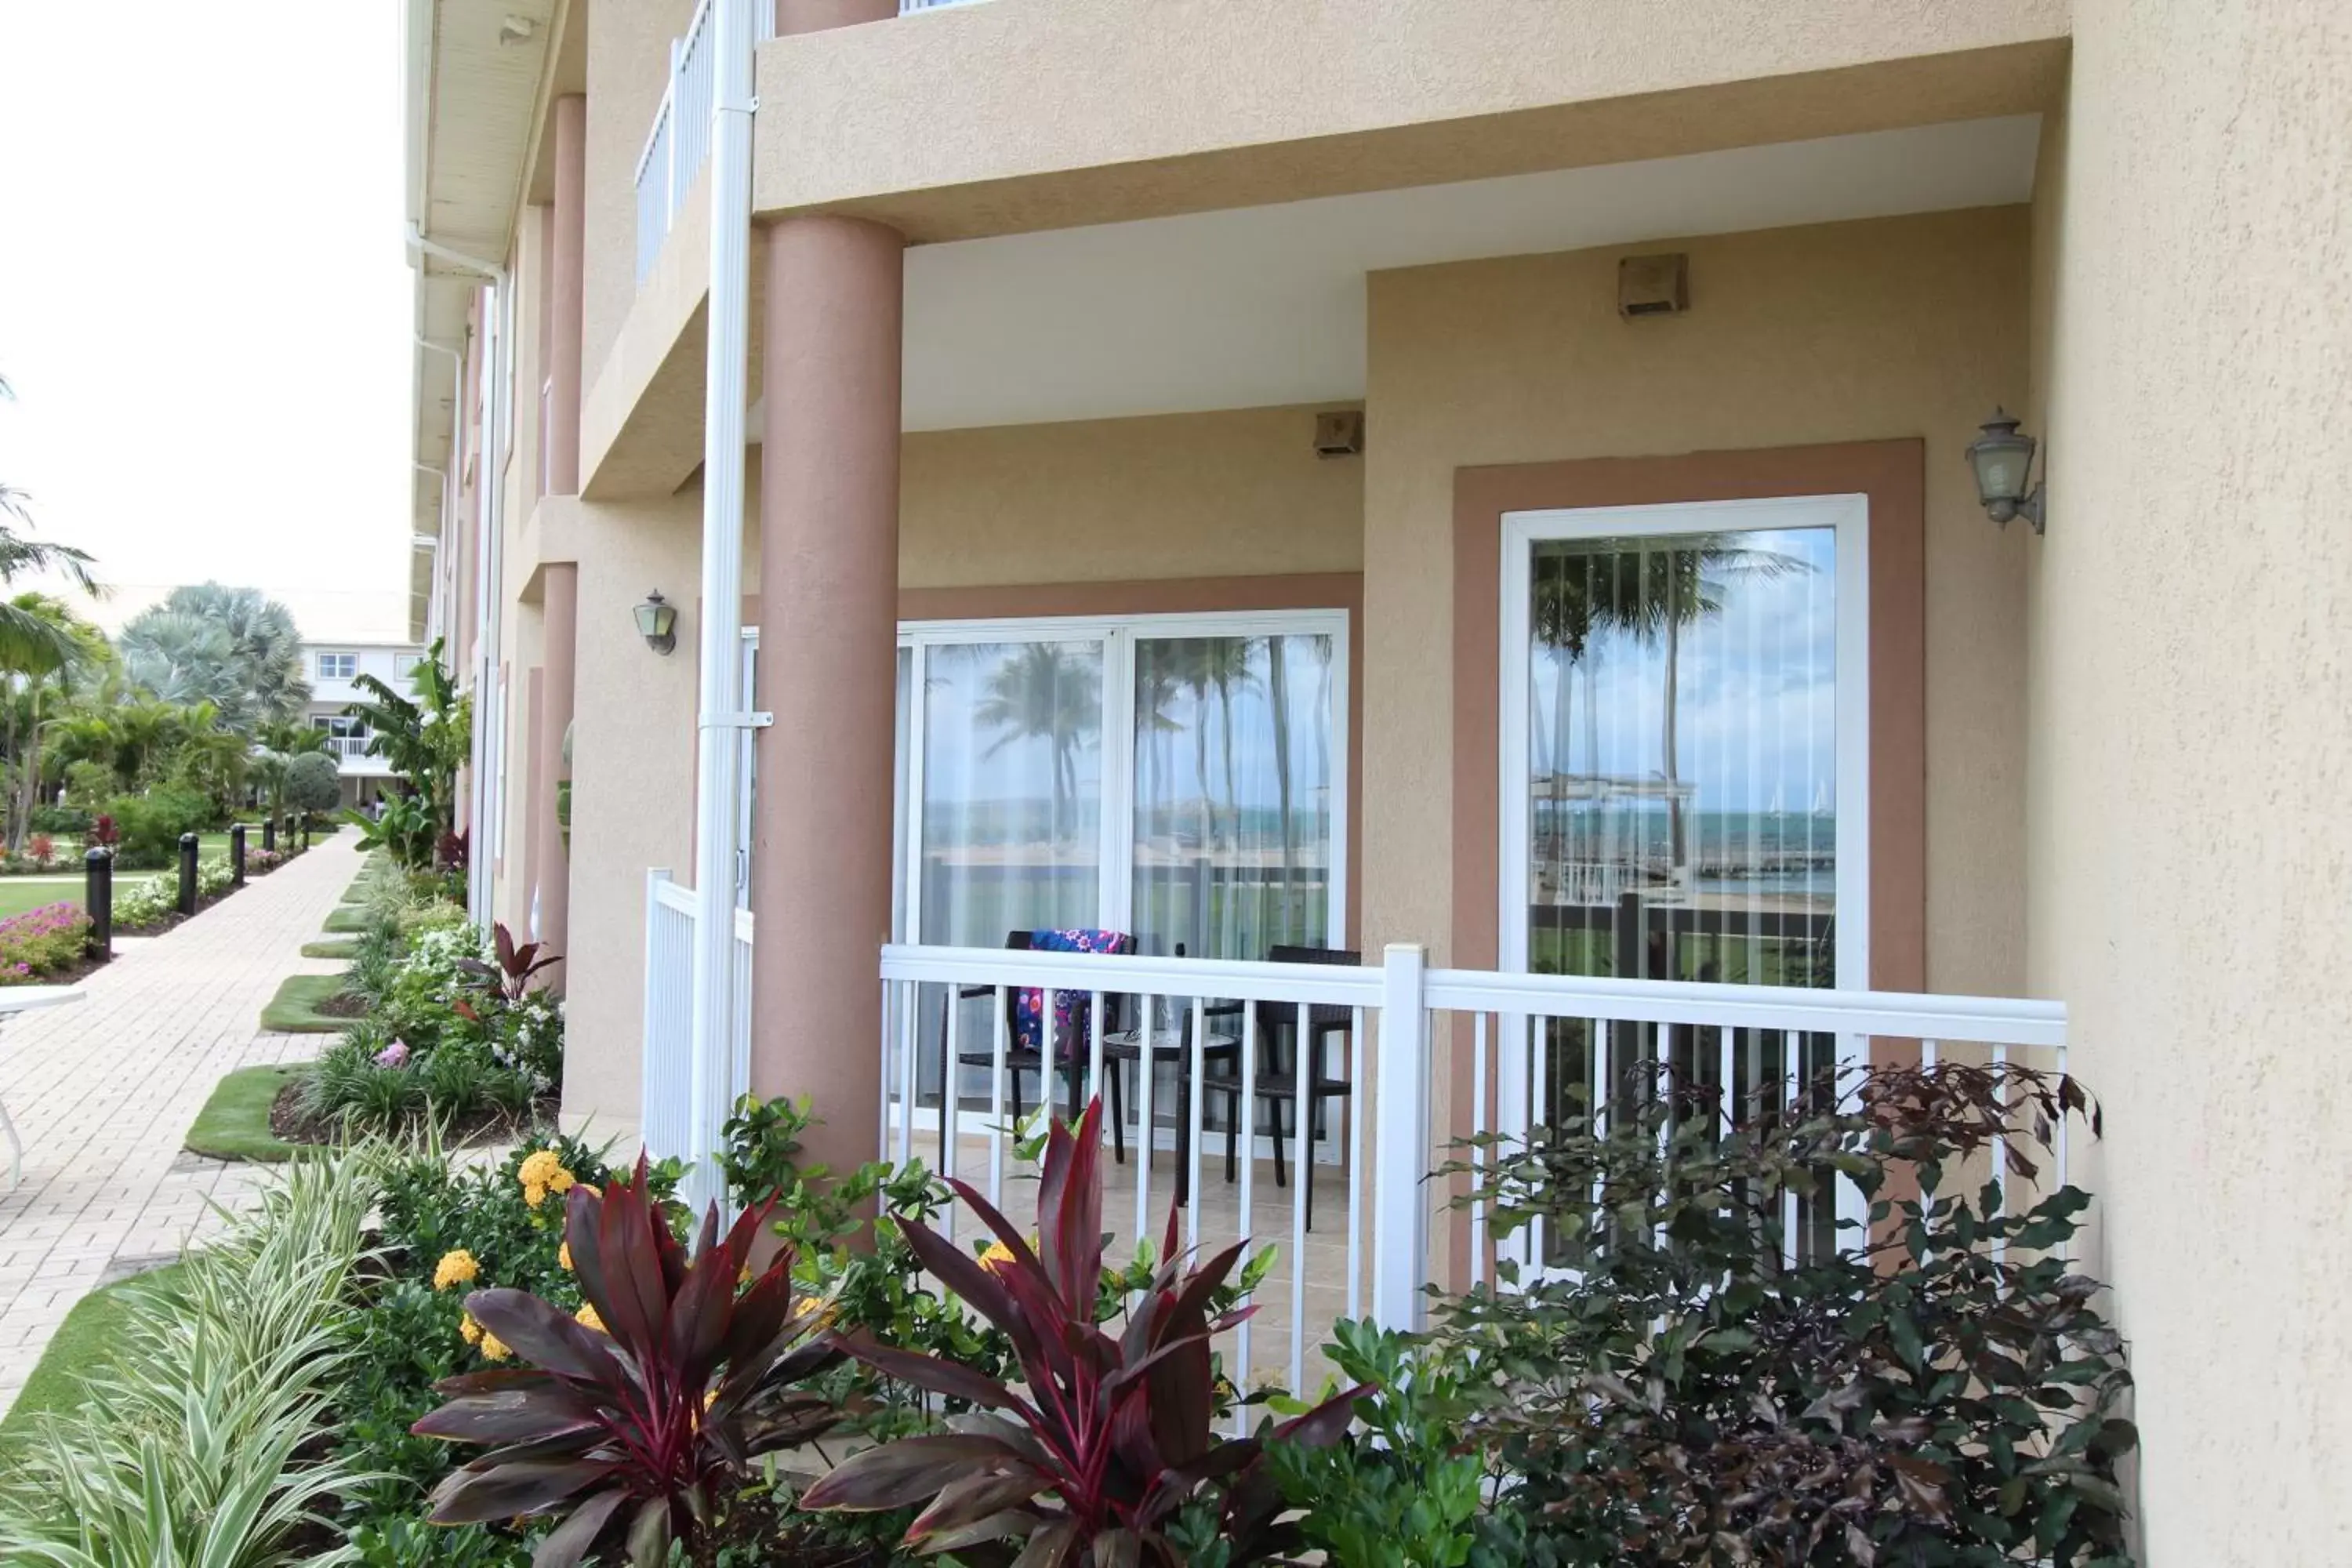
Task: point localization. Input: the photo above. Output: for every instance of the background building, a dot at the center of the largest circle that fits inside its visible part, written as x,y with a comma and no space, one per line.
332,669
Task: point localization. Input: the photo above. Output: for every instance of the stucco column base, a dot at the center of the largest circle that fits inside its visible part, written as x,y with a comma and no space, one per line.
829,672
560,623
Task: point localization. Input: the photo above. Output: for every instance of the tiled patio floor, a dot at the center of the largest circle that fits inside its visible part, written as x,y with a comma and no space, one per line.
103,1091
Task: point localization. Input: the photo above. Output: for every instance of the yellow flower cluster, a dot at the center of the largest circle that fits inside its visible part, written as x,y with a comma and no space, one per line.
564,1257
587,1318
492,1347
456,1267
826,1311
997,1257
542,1173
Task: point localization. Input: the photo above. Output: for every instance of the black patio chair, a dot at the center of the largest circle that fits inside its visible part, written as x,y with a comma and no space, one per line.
1278,1084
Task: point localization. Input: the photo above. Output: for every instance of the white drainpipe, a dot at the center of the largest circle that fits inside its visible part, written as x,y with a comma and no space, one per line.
489,748
722,720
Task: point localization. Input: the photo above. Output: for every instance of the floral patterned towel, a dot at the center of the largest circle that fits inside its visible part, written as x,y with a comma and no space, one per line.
1070,1007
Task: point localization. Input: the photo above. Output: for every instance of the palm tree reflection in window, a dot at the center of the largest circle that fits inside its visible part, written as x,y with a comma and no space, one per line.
1043,692
1645,592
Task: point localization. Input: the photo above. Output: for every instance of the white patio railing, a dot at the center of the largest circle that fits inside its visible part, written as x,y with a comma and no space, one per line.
677,145
1419,1057
666,1115
1408,1061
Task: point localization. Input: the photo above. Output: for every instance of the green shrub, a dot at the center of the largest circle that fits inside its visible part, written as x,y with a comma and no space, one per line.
413,1330
66,821
150,824
213,877
1942,1390
150,903
314,782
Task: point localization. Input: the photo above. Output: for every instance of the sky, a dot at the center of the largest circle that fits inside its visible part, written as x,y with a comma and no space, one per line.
204,300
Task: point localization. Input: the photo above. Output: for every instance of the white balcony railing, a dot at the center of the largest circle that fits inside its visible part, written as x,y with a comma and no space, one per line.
1405,1061
679,144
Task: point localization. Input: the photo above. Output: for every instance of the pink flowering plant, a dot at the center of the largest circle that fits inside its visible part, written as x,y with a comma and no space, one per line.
40,942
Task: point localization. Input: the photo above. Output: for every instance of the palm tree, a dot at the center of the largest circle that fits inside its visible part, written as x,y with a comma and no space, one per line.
1043,693
230,646
32,663
19,626
426,737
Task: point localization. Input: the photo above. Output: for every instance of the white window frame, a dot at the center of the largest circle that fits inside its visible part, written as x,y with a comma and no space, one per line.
347,664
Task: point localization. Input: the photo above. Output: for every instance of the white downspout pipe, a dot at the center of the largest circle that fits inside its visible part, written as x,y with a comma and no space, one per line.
722,720
438,609
490,552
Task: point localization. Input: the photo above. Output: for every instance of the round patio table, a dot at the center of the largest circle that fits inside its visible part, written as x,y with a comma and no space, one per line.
14,999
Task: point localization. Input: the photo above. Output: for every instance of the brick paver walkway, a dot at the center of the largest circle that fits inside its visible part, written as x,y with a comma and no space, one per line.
103,1091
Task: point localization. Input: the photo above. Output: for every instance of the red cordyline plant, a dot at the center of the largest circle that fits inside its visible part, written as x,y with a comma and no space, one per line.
630,1430
1111,1438
510,977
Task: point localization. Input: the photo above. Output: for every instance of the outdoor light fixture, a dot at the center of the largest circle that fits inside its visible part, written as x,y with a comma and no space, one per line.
657,622
2004,461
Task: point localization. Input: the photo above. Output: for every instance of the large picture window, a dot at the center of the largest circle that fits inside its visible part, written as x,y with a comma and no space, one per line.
1177,778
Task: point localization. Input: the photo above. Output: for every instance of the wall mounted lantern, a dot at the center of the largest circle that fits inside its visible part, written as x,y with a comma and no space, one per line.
2003,462
657,622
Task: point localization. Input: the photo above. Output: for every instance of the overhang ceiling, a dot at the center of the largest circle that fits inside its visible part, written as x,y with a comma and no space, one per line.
1263,306
473,92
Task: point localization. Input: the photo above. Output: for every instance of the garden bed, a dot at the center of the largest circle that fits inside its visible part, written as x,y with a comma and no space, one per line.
292,1121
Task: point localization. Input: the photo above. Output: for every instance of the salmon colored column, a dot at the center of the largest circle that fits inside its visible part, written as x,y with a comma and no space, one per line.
566,287
559,581
828,662
559,619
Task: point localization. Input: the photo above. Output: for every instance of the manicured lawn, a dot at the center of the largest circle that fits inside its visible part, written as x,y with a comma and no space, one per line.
18,894
346,920
295,1009
332,947
82,1344
234,1122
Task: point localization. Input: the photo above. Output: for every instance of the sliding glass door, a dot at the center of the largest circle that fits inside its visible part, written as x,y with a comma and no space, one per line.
1179,779
1232,849
1007,824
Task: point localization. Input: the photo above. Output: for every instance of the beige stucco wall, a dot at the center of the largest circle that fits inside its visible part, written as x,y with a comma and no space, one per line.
1899,327
2191,636
1240,493
632,786
628,70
